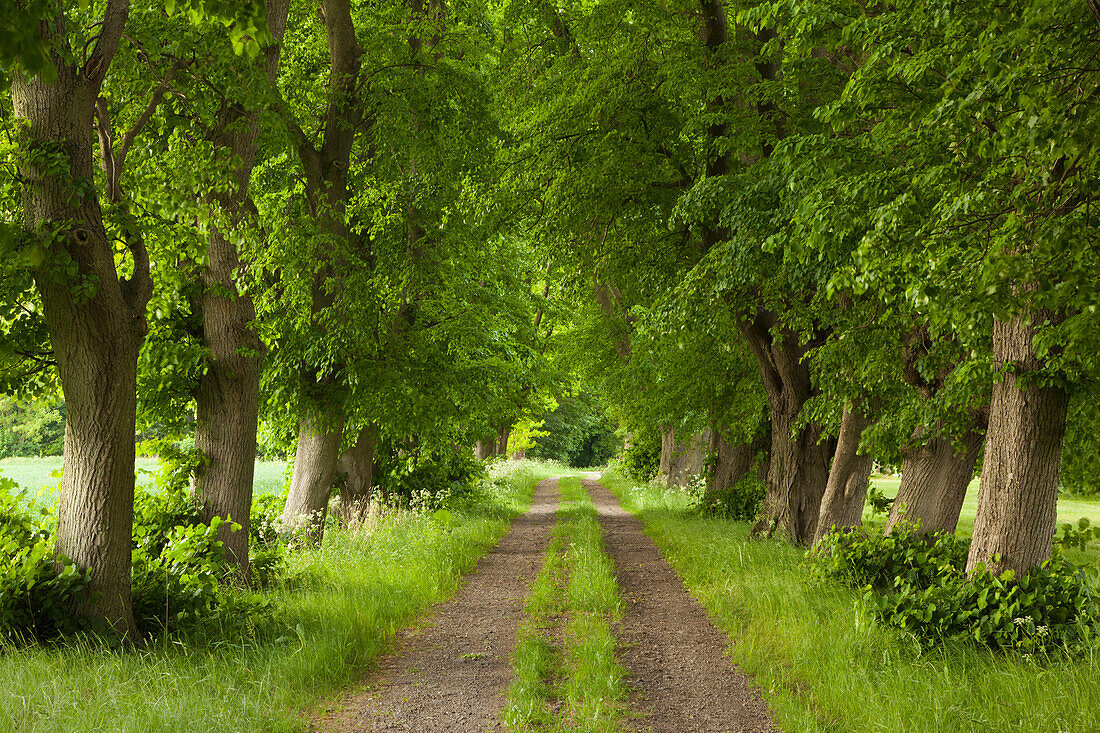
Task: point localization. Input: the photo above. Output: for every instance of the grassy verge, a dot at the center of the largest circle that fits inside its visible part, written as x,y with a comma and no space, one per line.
825,665
348,598
566,676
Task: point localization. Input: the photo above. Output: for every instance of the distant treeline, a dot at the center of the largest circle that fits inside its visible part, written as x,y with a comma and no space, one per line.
31,429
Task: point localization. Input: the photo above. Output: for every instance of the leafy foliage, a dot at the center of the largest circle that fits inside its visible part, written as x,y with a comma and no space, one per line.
919,584
741,502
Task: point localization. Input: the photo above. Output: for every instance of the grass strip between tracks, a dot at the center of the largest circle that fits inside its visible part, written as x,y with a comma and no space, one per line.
566,676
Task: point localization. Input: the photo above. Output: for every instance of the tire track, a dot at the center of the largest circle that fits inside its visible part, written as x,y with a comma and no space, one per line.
682,679
451,675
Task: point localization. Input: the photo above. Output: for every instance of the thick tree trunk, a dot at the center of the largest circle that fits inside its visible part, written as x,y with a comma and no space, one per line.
1017,502
357,466
503,433
798,468
732,461
849,476
681,460
227,406
934,479
96,320
227,396
485,449
319,433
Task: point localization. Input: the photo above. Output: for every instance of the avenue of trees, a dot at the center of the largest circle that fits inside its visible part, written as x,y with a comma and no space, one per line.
796,236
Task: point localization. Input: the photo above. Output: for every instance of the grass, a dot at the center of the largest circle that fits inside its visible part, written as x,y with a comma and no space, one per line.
39,476
823,664
566,676
340,613
1069,509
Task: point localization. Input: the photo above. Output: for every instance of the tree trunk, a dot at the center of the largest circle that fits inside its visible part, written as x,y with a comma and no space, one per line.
226,408
934,479
96,320
849,476
227,396
1017,502
357,467
798,468
681,460
484,449
503,433
732,462
319,433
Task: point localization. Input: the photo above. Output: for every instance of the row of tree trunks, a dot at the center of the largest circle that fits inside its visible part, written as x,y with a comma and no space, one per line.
228,394
849,476
935,474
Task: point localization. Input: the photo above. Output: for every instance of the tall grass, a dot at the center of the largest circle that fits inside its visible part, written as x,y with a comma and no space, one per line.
826,665
340,610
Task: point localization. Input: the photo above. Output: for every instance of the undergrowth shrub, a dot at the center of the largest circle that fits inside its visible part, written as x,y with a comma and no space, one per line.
918,583
741,501
429,479
37,589
641,460
180,579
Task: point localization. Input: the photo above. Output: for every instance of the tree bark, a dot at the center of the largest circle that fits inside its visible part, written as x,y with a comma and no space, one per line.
732,461
319,434
484,449
96,320
681,460
503,433
1017,502
227,396
935,475
357,466
798,470
849,476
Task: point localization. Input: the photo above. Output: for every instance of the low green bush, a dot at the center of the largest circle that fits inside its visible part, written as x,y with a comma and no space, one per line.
741,501
641,460
428,479
919,584
37,589
180,580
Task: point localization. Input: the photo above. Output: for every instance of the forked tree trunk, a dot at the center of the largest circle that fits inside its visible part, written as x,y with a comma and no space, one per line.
319,433
96,321
849,476
1017,502
934,478
227,396
798,469
357,465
